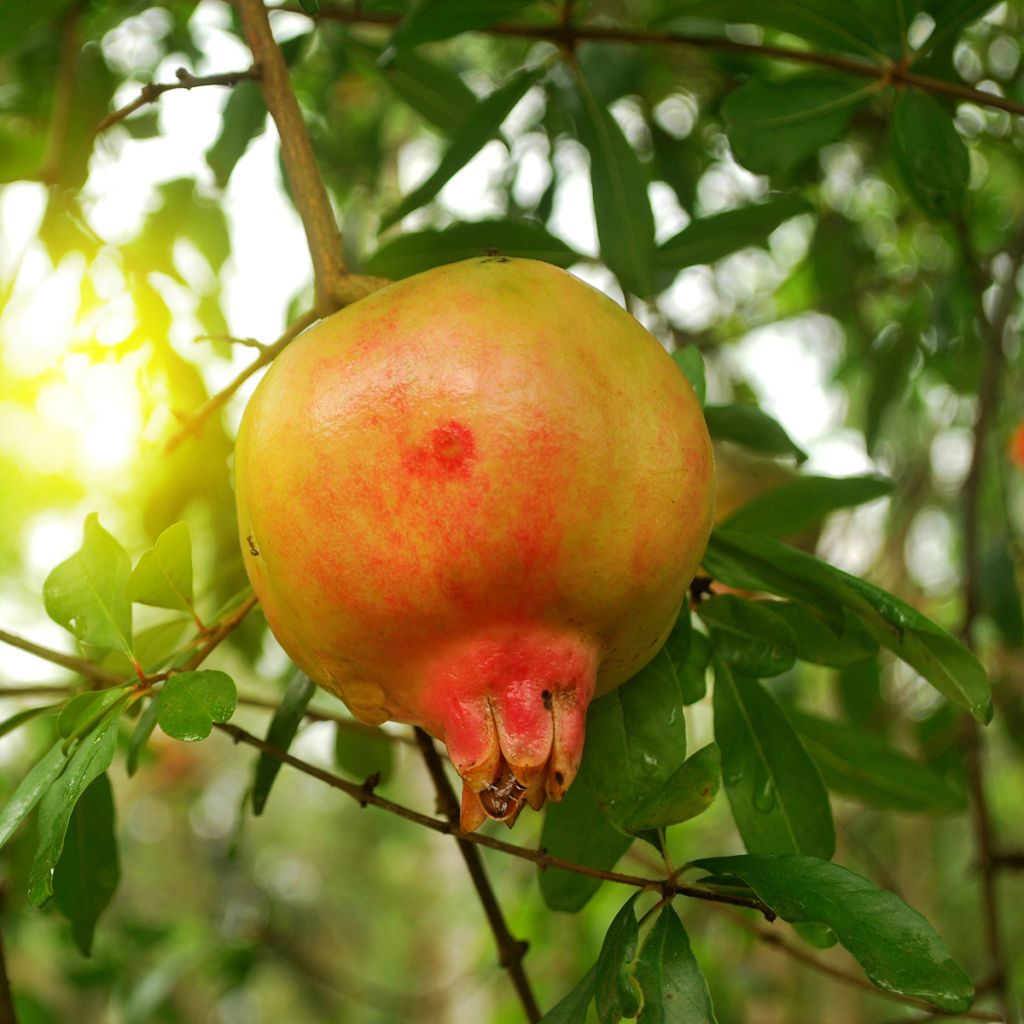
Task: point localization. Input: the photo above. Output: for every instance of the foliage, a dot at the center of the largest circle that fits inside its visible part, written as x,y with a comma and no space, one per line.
818,209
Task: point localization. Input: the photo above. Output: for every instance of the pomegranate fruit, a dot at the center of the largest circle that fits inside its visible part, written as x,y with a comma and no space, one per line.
474,500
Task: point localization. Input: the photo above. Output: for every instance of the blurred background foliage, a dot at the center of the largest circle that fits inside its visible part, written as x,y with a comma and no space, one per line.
851,247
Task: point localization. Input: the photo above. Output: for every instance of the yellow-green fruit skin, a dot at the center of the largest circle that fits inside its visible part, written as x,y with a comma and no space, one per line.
477,470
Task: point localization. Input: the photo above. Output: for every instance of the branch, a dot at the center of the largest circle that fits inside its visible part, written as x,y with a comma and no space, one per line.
365,795
334,286
783,945
568,35
186,80
69,661
510,949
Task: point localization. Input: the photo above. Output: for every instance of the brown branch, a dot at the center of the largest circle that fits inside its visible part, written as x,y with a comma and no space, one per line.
510,949
798,953
219,633
82,666
334,286
367,797
564,35
186,80
992,332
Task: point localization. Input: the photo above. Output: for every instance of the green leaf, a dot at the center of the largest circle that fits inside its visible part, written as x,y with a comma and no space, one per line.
18,18
690,361
864,766
91,758
711,238
636,736
694,678
19,718
930,154
282,729
435,92
751,427
480,127
898,949
245,115
190,702
84,709
87,593
140,735
775,126
422,250
86,876
758,563
365,753
688,792
615,992
817,642
777,797
573,1008
31,789
575,830
748,635
311,7
803,503
622,209
433,20
163,577
673,987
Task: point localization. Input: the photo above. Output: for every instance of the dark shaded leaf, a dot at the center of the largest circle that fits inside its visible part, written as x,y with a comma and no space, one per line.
282,729
898,949
421,250
863,765
482,125
573,1008
774,126
816,640
615,992
758,563
748,635
86,594
87,874
433,20
751,427
688,792
803,503
777,797
712,238
91,758
140,735
19,17
245,115
190,702
673,987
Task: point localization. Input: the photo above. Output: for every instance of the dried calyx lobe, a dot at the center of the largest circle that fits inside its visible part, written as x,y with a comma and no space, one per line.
511,710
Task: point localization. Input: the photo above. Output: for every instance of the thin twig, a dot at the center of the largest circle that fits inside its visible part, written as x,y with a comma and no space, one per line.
231,339
510,949
69,661
992,336
367,797
186,80
334,286
798,953
569,35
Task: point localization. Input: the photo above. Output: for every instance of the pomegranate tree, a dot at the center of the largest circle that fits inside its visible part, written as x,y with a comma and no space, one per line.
473,501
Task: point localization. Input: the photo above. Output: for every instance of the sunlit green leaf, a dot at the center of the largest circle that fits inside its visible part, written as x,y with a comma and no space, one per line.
163,576
84,709
31,789
688,792
751,427
190,702
144,727
898,949
87,593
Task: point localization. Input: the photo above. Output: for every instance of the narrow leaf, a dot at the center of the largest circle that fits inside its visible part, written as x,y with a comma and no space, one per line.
19,718
86,876
86,594
748,635
31,789
898,949
144,727
817,641
430,21
803,503
751,427
479,128
573,1008
282,729
709,239
690,361
777,797
422,250
622,209
615,994
163,577
91,758
190,702
244,117
673,987
85,708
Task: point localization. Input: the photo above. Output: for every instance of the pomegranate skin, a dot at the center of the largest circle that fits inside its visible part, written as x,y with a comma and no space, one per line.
471,501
